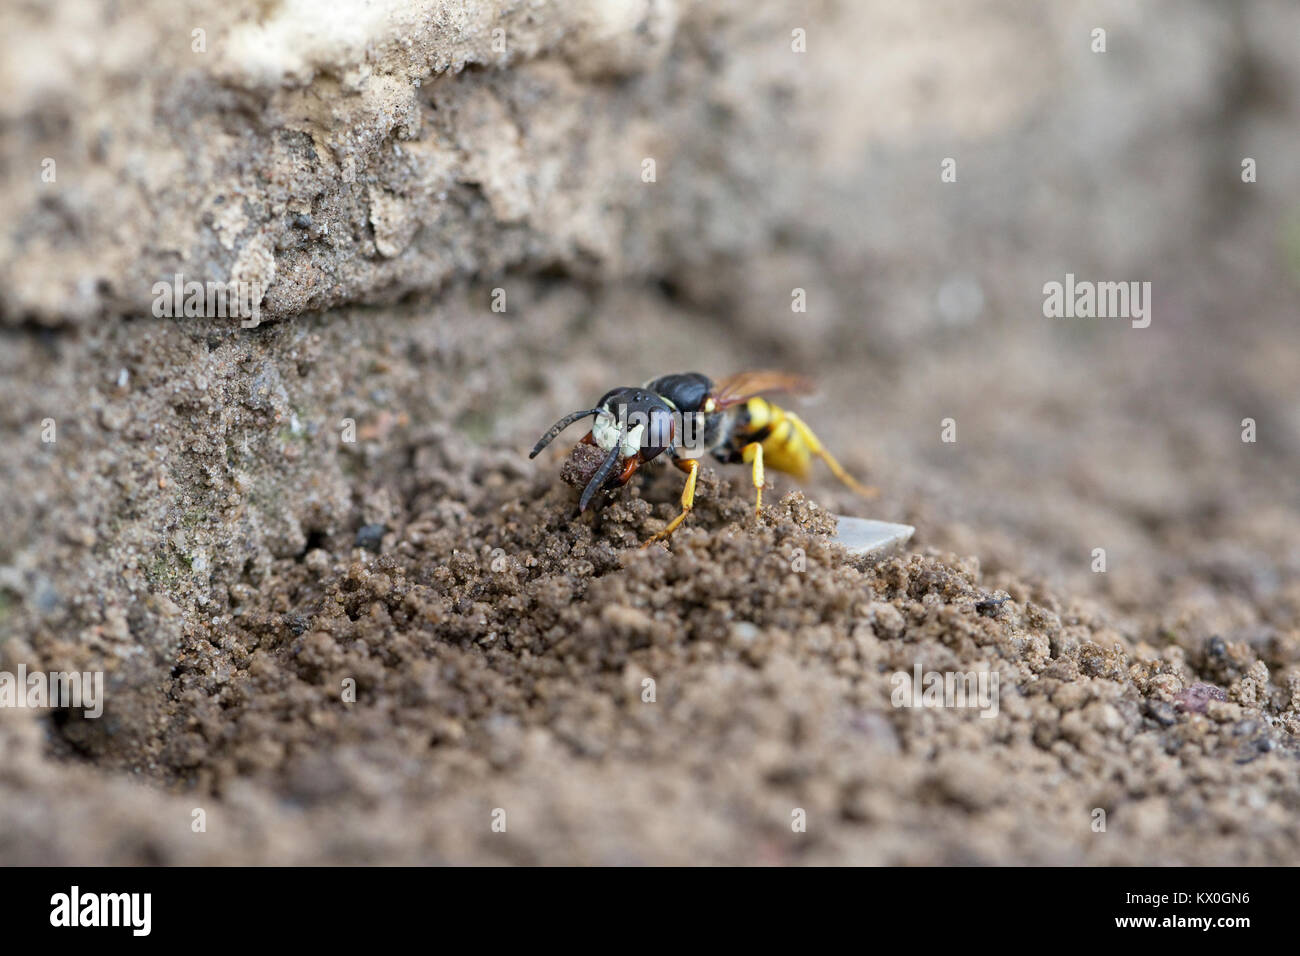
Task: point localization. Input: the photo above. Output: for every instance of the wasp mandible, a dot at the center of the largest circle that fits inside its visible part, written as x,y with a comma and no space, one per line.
687,416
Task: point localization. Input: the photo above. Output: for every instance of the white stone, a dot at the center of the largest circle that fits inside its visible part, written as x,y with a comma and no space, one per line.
867,536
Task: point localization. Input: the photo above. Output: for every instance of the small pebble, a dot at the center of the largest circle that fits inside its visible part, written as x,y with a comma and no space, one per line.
371,537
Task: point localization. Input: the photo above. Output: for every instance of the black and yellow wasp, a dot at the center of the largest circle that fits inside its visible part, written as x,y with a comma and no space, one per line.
688,416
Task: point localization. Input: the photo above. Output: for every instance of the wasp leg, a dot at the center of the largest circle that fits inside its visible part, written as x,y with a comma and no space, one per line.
753,452
692,468
816,448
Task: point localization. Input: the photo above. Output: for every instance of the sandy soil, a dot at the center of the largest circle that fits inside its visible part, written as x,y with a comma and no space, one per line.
499,647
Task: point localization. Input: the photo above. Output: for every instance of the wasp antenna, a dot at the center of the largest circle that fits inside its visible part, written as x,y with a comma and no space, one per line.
599,478
558,427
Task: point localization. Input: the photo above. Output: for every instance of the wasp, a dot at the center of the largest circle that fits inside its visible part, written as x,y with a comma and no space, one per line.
686,416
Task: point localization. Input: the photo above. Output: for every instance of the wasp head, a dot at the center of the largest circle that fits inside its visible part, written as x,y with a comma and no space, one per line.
632,426
636,422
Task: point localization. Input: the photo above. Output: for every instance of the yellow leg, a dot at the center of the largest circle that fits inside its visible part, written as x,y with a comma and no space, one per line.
692,467
815,447
753,452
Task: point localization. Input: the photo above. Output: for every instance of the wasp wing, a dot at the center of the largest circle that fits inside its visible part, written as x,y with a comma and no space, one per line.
745,385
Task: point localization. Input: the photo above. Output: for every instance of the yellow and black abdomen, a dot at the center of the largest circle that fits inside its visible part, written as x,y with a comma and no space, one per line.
782,435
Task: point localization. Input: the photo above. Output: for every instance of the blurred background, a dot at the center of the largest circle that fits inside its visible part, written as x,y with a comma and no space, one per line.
650,184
